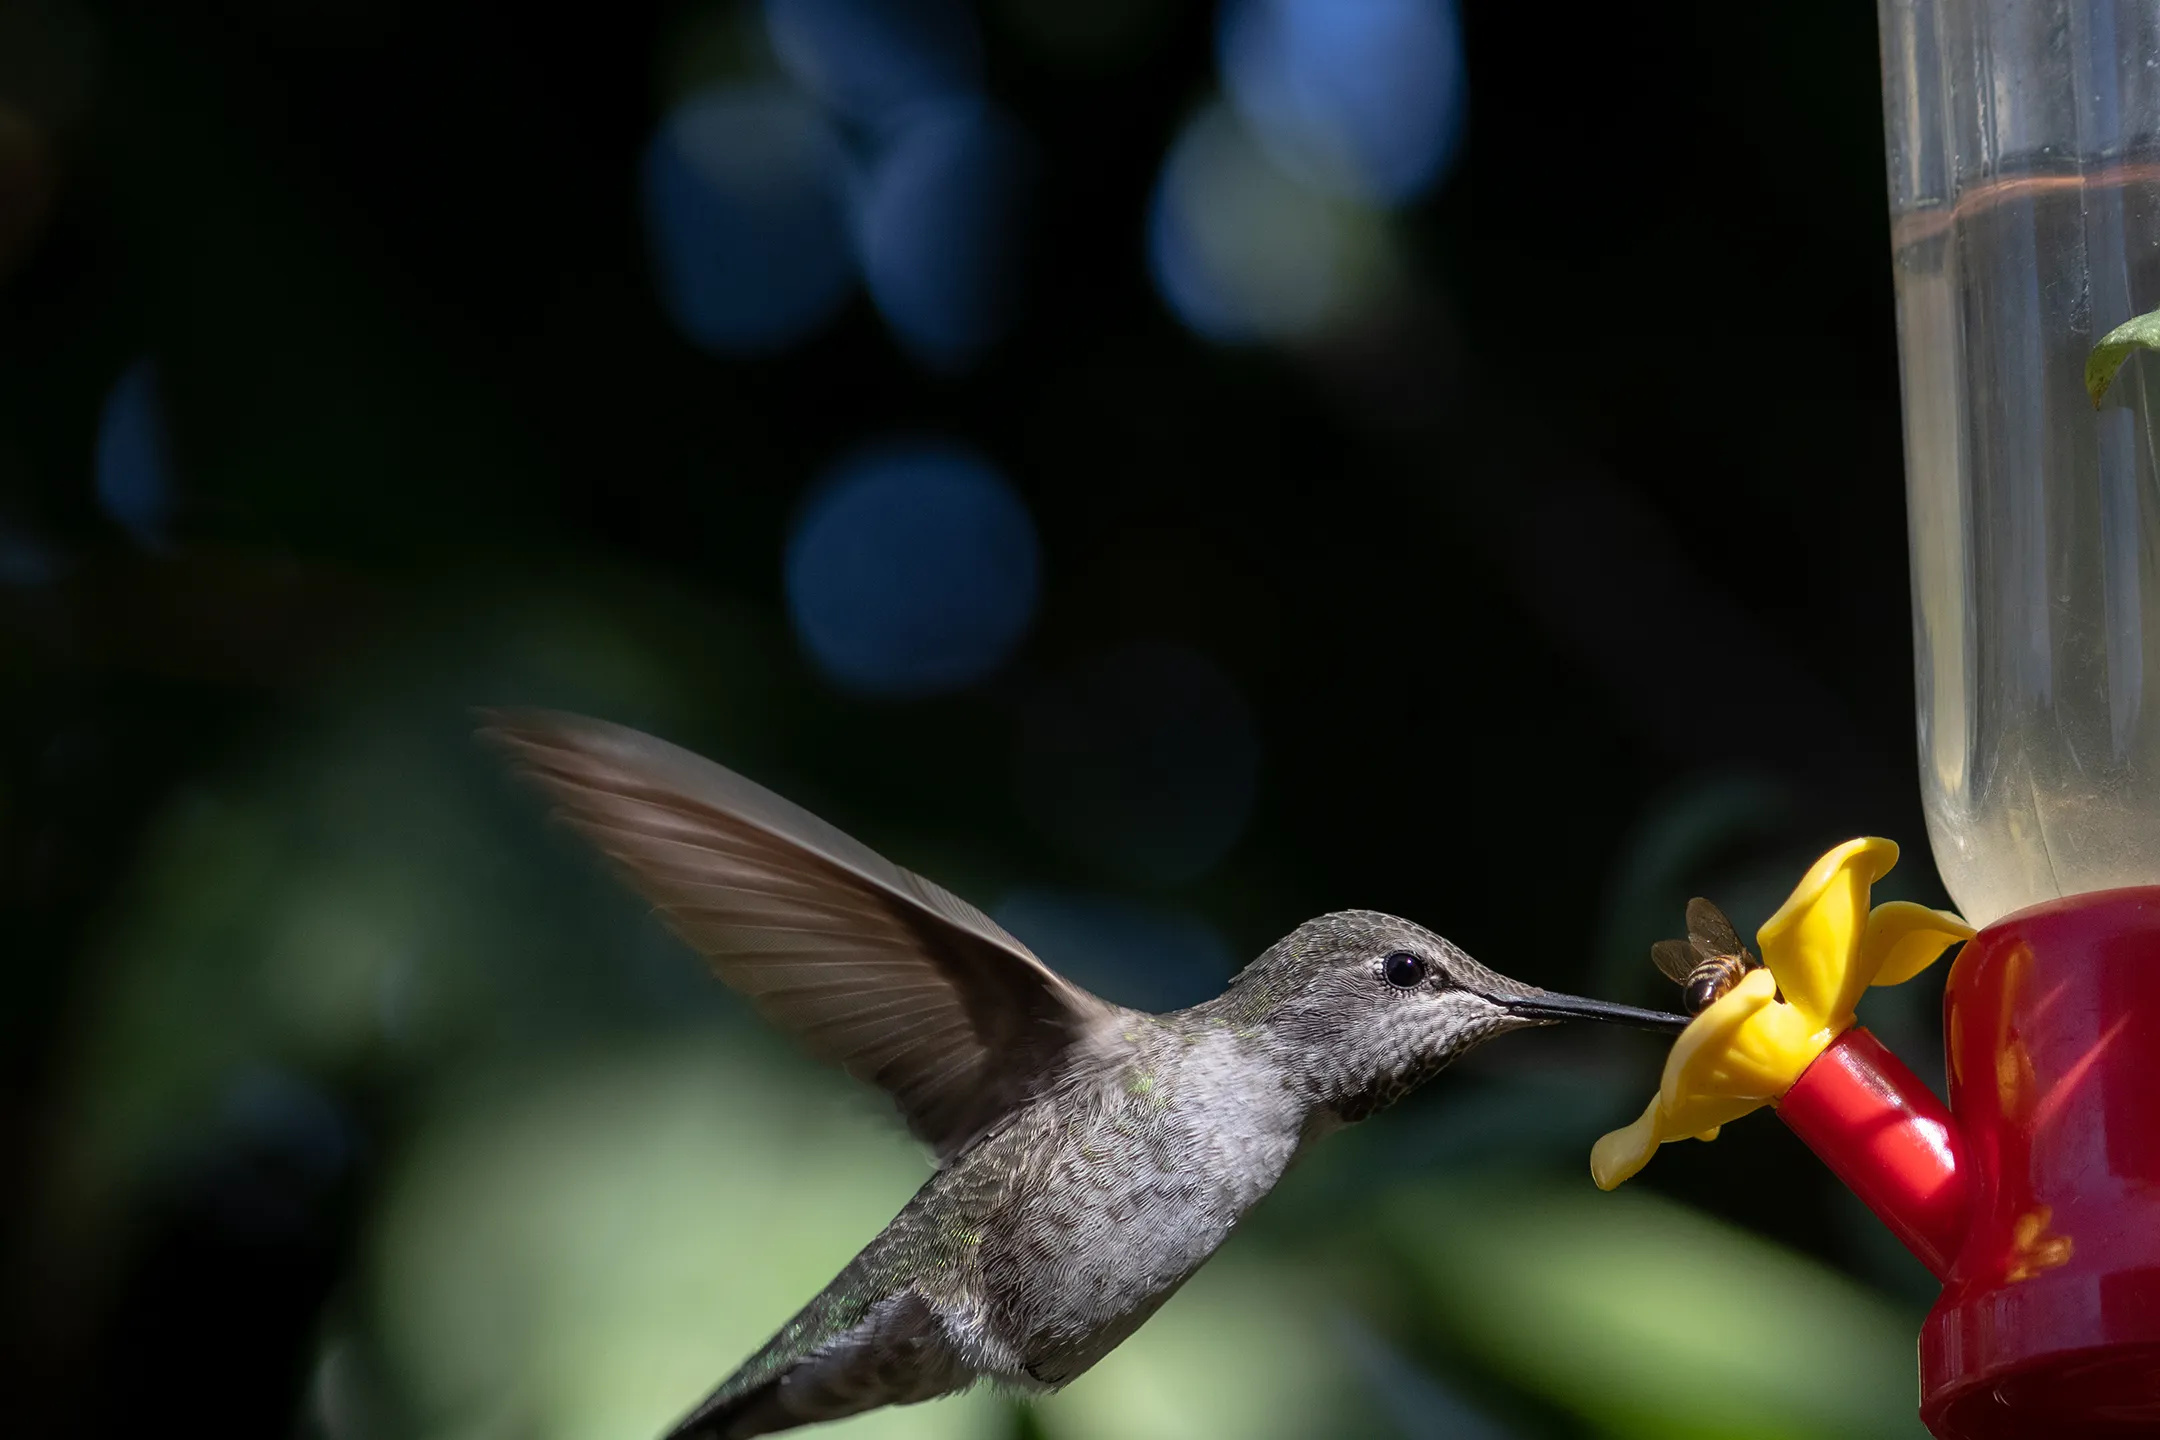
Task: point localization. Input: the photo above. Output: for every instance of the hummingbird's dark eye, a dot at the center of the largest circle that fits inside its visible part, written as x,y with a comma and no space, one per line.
1403,970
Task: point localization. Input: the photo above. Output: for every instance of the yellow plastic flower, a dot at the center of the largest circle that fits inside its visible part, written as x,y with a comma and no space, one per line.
1820,951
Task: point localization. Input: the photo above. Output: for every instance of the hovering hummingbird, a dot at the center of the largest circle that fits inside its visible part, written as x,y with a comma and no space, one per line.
1089,1157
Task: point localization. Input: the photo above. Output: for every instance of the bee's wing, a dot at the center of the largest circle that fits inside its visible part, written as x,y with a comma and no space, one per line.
1675,959
1710,932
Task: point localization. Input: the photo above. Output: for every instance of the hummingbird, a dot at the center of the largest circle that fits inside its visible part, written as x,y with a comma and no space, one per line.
1089,1158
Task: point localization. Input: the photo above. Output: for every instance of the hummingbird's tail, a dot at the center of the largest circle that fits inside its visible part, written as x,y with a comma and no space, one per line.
753,1412
896,1353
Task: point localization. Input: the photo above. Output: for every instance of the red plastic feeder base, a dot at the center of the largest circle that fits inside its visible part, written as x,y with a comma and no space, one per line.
2036,1194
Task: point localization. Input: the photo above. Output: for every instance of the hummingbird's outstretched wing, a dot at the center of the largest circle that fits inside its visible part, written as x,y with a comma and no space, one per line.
869,966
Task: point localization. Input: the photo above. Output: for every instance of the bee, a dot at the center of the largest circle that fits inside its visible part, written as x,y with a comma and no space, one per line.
1709,962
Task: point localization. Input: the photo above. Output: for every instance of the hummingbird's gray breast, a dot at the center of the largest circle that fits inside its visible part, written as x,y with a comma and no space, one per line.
1118,1186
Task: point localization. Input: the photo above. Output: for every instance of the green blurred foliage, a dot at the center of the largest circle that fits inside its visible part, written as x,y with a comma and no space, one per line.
564,1254
1651,1319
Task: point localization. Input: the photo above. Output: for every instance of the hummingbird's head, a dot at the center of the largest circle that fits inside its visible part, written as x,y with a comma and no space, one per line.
1364,1007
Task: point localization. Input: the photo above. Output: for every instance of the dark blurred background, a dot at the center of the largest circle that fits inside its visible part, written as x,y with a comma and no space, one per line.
1165,469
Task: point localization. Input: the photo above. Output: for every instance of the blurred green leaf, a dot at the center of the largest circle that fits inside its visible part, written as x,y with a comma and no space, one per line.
370,891
2108,357
589,1253
1650,1319
1245,1349
1419,1404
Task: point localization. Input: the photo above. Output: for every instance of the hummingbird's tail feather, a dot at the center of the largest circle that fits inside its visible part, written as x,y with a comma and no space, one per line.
754,1412
897,1354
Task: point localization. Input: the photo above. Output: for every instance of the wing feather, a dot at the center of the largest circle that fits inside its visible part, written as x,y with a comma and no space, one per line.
869,966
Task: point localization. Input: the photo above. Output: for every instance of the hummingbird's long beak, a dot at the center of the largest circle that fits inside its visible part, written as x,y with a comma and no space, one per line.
1548,1006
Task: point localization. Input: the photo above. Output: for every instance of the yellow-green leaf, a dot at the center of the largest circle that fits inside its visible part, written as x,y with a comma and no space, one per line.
1649,1319
2114,348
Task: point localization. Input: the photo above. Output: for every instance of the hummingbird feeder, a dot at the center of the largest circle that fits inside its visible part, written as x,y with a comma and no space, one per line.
2024,159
